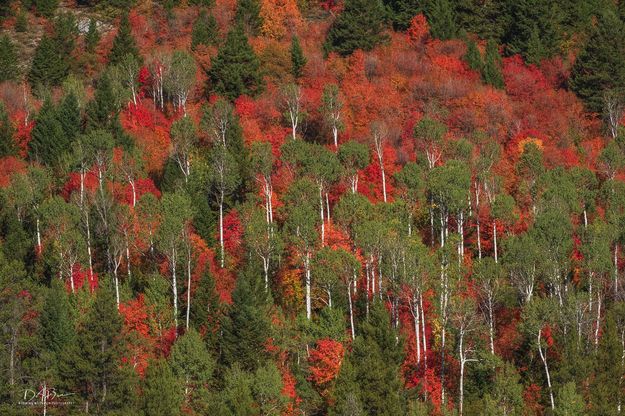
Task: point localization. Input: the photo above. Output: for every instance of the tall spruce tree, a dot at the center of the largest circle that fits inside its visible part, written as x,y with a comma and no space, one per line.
298,60
8,59
441,18
359,26
205,310
45,8
124,43
92,37
205,31
162,392
68,115
48,68
473,57
605,390
401,12
491,71
248,15
600,66
49,141
236,69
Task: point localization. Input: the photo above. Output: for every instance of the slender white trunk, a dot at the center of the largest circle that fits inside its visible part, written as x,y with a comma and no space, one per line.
543,357
425,347
495,239
323,228
308,283
491,326
351,309
188,285
174,285
221,229
335,135
461,383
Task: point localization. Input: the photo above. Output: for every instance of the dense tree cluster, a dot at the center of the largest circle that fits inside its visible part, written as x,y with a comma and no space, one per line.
277,207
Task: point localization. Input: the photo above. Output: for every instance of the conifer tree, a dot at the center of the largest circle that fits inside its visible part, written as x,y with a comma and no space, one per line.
600,66
57,324
101,112
204,314
440,15
205,31
359,26
235,70
124,43
49,141
162,395
605,391
68,115
298,60
491,72
248,15
8,146
45,8
401,12
48,68
346,391
92,37
473,57
246,328
8,59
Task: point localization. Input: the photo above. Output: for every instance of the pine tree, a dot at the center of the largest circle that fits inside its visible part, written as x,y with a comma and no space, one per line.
346,391
162,395
205,31
605,391
535,49
48,68
359,26
440,15
377,357
204,315
69,116
246,328
236,69
57,326
485,18
91,365
92,37
101,112
298,60
248,15
491,72
45,8
8,147
49,141
401,12
600,66
473,57
8,59
124,43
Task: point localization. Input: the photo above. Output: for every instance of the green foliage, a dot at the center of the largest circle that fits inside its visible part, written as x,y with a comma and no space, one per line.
124,43
473,57
235,70
49,68
359,26
49,142
8,59
441,18
298,60
248,16
605,392
491,71
92,37
162,395
401,12
69,116
205,31
570,403
45,8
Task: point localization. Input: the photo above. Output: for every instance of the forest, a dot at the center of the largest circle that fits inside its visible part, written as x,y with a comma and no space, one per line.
312,207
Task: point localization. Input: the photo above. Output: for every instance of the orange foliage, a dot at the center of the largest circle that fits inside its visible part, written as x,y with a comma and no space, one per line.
279,17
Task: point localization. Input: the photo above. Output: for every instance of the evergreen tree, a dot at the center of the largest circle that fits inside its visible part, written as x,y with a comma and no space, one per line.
248,15
45,8
246,328
92,37
69,116
605,389
65,31
485,18
235,70
440,15
298,60
377,357
600,66
473,57
8,147
359,26
91,365
205,31
57,325
49,141
124,43
48,68
162,395
491,72
21,22
8,59
346,391
569,402
204,315
401,12
101,113
535,49
236,399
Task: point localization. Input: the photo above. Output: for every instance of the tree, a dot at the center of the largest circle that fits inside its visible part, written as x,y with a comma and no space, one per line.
489,278
354,157
205,310
161,394
248,15
292,98
491,71
359,26
298,59
235,70
8,147
570,403
605,391
347,392
49,142
473,57
92,37
8,59
246,327
193,365
267,390
180,79
599,67
331,109
183,138
205,31
68,114
401,12
57,326
236,398
124,43
45,8
48,68
440,14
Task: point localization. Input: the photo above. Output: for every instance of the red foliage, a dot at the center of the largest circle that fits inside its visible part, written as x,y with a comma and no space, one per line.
419,29
80,276
233,235
325,362
8,167
137,331
531,399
